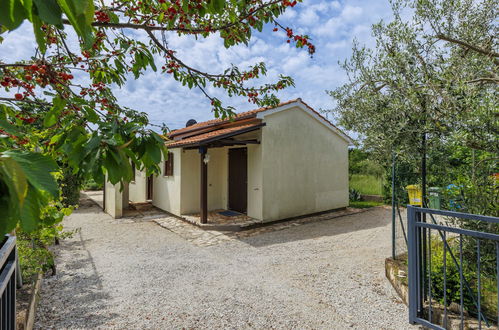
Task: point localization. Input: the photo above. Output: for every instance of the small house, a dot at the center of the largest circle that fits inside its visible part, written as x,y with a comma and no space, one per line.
268,164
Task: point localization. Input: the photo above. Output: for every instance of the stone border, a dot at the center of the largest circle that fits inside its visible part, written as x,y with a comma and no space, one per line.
394,275
27,320
259,224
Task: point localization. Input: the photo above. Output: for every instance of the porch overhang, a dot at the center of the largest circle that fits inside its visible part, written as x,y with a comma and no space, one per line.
223,137
220,138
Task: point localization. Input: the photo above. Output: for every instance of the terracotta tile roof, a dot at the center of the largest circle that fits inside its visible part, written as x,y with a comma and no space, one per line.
214,122
241,116
210,135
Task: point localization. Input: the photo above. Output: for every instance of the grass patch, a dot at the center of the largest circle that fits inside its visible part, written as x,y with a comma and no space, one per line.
364,204
366,184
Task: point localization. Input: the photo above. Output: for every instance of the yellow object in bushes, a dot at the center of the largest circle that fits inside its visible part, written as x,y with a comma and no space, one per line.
415,195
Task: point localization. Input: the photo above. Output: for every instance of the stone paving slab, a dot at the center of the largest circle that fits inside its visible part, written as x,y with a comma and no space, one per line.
202,237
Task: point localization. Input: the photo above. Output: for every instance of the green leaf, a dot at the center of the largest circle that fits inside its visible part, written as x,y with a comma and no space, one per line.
8,204
113,170
37,169
80,14
16,177
9,128
113,17
49,12
53,115
30,211
28,6
92,144
39,35
12,13
91,115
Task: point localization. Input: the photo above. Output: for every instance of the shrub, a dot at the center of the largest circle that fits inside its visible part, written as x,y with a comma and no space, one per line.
488,281
366,184
34,254
92,185
354,195
70,184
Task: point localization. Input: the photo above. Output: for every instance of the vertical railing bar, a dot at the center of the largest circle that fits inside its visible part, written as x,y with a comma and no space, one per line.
9,305
461,277
402,224
412,260
5,308
7,314
445,279
497,280
393,206
428,258
479,288
4,315
468,287
419,250
14,307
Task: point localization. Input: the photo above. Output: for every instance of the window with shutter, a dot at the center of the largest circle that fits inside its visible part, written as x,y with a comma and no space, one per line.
168,170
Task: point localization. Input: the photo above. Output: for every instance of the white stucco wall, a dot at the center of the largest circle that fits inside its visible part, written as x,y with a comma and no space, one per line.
166,194
138,188
189,189
305,166
114,200
255,196
217,178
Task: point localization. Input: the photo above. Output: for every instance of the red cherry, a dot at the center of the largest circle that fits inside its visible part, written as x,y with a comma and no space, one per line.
19,96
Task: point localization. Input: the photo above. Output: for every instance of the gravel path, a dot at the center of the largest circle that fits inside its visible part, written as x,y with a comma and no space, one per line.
136,275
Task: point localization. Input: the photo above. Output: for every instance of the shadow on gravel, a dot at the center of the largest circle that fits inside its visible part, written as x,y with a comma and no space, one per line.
75,297
88,206
322,228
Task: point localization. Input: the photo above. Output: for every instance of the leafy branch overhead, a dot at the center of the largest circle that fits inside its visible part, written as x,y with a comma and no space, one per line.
59,103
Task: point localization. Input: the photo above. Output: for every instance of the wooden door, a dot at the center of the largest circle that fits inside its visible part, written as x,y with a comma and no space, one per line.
238,179
149,187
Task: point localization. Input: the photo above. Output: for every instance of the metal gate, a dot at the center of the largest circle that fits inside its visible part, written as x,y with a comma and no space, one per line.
481,251
8,273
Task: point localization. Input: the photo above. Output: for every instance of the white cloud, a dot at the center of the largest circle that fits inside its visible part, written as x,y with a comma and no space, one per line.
308,17
332,25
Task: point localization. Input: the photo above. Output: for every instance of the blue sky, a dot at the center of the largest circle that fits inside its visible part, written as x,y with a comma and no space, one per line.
332,25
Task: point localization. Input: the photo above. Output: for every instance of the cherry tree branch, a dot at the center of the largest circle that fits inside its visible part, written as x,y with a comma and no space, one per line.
146,27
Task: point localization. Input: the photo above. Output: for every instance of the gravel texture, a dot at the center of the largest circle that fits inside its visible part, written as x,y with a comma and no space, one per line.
138,275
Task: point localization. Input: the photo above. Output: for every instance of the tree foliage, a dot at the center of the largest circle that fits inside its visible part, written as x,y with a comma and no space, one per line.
433,72
59,108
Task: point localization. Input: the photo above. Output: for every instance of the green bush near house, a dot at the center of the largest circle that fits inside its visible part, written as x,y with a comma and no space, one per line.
366,184
70,184
92,185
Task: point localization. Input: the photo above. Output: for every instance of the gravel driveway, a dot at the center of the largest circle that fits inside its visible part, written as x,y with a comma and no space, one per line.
136,275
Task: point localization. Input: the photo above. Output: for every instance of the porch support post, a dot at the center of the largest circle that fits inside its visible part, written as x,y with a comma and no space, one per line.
204,186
